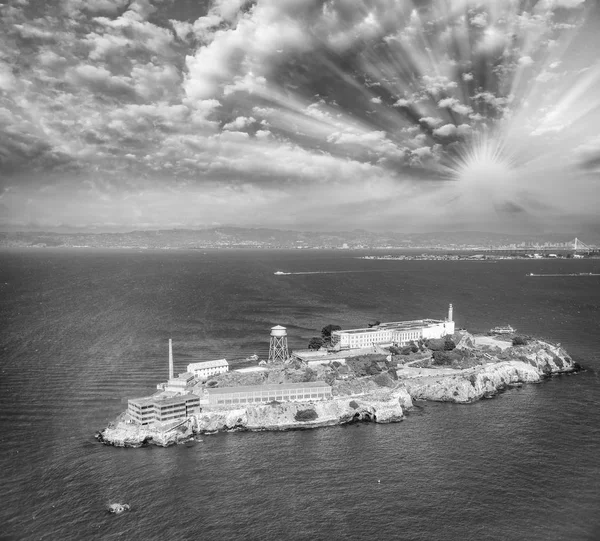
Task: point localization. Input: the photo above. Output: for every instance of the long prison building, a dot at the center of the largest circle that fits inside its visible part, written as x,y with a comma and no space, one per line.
250,394
399,333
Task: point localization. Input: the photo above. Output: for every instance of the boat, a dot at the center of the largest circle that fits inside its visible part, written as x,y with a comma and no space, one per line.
502,329
279,273
253,357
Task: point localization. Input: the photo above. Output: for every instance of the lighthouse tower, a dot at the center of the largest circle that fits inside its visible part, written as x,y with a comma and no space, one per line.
450,312
278,347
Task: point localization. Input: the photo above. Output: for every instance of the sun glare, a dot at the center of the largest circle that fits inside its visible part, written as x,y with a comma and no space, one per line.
484,170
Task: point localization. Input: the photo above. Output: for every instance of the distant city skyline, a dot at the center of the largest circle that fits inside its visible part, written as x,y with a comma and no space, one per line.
316,115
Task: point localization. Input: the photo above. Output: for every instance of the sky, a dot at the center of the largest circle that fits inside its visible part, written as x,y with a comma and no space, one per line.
385,115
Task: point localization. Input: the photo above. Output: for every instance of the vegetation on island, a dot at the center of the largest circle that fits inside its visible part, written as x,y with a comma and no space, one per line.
317,342
520,341
306,415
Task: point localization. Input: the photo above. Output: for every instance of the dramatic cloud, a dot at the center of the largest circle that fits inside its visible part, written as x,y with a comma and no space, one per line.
374,113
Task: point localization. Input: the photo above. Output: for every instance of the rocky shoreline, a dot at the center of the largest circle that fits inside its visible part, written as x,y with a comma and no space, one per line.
383,397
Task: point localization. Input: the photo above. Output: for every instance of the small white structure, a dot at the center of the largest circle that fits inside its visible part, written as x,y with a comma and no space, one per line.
179,384
278,347
250,369
203,370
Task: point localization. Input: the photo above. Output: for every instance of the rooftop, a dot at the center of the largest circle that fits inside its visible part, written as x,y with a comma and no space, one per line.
394,325
151,400
268,387
208,364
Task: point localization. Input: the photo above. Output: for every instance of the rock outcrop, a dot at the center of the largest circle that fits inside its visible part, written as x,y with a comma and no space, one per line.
123,434
524,364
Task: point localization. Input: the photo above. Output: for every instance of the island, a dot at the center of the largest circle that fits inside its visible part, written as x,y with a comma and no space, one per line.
373,374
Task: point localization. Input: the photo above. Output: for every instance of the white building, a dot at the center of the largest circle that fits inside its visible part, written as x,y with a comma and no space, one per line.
203,370
399,333
179,384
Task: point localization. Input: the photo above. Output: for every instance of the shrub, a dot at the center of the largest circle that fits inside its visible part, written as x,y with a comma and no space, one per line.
519,341
436,344
315,342
394,350
306,415
384,380
449,344
373,369
353,404
309,375
443,358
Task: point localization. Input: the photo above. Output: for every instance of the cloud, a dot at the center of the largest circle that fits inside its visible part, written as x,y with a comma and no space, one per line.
182,28
431,121
479,20
402,103
101,81
455,105
525,61
435,84
240,123
450,130
274,99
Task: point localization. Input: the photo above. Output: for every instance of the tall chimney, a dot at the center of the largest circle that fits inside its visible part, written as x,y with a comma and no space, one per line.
170,359
450,312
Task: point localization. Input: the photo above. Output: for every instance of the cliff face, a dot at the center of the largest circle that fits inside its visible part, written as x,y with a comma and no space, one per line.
380,407
130,435
526,364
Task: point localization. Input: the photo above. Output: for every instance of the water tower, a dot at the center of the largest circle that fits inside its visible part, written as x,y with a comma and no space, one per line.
278,347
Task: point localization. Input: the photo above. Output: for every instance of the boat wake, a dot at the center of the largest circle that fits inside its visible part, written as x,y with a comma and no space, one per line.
280,273
569,274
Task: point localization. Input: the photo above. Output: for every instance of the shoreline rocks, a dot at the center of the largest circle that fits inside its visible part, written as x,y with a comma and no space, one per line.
528,364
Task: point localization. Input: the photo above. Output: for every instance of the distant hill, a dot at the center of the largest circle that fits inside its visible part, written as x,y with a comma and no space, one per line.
237,237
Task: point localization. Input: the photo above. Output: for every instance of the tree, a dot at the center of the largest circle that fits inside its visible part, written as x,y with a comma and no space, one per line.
377,322
449,344
315,342
519,341
327,330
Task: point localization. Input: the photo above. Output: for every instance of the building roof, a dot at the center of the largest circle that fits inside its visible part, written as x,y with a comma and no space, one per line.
394,326
269,387
164,400
207,364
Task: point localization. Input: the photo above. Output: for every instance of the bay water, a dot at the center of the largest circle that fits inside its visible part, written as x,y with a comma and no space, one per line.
83,330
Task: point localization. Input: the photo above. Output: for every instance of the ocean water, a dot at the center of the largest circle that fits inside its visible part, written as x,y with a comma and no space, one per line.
83,330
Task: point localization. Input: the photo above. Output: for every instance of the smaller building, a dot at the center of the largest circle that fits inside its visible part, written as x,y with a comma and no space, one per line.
284,392
180,384
203,370
144,411
250,369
